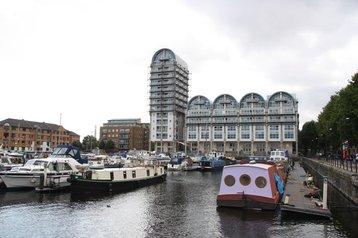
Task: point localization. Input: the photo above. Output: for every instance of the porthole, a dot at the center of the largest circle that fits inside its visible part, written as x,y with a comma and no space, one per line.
229,180
245,179
260,182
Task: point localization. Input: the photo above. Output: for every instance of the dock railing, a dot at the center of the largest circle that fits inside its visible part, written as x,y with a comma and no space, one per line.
349,165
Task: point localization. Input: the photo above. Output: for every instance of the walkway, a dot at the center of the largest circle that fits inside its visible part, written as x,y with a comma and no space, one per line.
294,200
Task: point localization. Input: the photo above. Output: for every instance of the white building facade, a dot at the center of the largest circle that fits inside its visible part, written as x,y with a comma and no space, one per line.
251,126
168,101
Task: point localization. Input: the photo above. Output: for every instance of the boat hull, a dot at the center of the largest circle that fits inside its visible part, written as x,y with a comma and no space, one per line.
18,181
81,186
247,201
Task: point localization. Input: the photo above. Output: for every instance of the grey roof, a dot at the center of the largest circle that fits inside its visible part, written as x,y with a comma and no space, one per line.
178,60
31,124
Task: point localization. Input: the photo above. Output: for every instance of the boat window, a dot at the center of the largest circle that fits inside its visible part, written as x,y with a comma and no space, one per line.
245,179
133,174
229,180
62,166
148,172
40,163
124,174
260,182
72,153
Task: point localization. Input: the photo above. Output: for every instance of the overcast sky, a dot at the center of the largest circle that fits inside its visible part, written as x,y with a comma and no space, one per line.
89,60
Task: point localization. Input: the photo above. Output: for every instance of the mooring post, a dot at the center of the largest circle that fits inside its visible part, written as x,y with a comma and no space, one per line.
324,192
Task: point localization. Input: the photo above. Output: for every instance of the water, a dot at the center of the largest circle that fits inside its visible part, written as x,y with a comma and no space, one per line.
182,206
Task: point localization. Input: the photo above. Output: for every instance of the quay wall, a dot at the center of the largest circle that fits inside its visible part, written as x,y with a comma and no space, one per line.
344,181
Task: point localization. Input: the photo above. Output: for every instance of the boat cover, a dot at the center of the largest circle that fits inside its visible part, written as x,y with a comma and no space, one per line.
279,184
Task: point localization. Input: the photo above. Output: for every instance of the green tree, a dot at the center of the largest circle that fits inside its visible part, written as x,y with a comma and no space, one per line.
308,138
338,122
77,144
102,144
110,145
89,143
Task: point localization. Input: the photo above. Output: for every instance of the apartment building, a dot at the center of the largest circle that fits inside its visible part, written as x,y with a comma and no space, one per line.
168,96
127,134
30,136
251,126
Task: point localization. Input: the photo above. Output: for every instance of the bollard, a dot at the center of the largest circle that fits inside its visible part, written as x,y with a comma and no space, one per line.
325,192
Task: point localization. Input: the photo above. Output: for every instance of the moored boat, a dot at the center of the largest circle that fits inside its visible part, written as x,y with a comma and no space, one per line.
252,185
51,172
210,164
116,180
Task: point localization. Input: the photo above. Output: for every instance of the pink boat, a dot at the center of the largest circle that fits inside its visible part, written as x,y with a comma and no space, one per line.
252,185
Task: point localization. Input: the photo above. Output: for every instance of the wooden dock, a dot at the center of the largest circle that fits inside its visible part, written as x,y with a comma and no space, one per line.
294,201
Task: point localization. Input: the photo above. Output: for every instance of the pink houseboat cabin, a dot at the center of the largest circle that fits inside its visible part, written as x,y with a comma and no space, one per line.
250,186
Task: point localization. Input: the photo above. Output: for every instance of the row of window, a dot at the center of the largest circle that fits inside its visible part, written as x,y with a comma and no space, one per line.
245,180
245,132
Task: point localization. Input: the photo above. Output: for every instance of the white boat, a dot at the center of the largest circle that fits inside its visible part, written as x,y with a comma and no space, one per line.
278,155
51,172
11,160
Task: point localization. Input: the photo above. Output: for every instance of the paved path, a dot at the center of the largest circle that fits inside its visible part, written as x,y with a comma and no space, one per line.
297,202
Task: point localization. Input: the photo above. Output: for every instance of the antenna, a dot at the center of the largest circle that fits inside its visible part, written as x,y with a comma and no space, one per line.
60,118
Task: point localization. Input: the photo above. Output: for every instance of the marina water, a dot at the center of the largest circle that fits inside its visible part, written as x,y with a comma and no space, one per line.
183,206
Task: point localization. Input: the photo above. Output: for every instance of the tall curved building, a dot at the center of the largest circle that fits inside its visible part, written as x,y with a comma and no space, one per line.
168,101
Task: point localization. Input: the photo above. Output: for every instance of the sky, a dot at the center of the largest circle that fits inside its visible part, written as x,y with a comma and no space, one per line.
80,63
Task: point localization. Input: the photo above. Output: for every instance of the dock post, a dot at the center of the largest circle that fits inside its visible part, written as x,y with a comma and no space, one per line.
324,192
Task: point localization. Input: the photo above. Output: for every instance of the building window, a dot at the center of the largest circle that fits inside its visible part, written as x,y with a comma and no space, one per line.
245,132
274,132
259,132
289,132
231,132
218,132
192,132
204,134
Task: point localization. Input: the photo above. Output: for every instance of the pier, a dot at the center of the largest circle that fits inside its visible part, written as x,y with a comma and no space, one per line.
295,200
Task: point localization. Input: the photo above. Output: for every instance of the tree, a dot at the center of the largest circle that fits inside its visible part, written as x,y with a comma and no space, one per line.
338,122
110,145
102,145
89,143
308,138
77,144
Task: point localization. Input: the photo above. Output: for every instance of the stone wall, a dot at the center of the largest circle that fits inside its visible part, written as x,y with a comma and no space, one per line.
344,181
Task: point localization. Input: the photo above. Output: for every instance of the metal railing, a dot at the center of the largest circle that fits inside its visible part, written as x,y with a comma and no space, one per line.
349,165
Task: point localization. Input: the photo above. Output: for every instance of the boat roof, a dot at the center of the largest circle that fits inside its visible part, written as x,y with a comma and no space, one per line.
256,165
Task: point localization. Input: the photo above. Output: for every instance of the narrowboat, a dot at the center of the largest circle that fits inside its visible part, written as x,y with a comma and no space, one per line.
252,185
116,180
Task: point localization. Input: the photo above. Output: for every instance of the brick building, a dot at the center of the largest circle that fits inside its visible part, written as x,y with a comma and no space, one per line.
127,134
31,136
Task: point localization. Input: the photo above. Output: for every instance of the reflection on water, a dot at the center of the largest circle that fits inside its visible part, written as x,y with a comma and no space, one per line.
182,206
